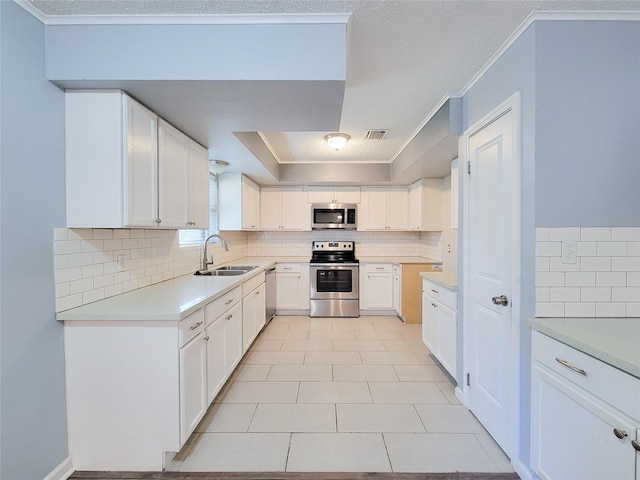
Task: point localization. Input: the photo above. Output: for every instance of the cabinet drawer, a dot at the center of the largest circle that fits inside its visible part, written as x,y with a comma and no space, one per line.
288,268
614,386
191,326
252,284
442,294
216,308
378,268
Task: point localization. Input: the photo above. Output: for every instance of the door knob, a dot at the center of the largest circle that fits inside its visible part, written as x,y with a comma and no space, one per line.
501,300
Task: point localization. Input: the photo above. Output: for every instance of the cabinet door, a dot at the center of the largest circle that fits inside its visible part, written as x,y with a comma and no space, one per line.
429,325
216,357
375,209
141,166
415,206
398,209
347,194
288,291
270,209
572,433
198,186
397,286
379,291
250,205
432,205
173,175
233,334
295,213
446,338
253,316
193,385
320,194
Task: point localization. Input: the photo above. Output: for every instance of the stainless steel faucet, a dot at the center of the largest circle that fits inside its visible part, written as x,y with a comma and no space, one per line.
205,261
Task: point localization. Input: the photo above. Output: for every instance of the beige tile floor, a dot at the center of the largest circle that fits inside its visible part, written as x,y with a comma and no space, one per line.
339,395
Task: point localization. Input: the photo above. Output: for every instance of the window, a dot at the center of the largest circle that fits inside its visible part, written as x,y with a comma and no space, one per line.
196,237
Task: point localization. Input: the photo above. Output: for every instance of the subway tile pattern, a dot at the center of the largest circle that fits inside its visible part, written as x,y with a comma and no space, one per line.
604,280
368,244
87,266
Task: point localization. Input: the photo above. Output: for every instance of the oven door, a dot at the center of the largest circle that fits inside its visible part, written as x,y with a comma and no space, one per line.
334,281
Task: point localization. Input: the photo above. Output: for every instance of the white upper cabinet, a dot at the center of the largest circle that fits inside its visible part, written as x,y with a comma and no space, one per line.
128,168
329,194
284,209
384,208
238,202
426,205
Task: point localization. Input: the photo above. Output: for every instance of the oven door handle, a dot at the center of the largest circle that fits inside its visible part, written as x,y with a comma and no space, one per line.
333,265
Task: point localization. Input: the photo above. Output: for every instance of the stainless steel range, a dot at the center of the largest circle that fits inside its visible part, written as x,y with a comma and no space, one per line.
334,273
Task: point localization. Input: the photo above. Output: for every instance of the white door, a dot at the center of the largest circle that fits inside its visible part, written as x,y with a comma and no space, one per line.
493,205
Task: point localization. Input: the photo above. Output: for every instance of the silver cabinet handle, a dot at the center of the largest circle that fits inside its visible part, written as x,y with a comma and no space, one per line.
635,445
571,367
193,327
619,433
434,291
228,317
501,300
206,339
228,301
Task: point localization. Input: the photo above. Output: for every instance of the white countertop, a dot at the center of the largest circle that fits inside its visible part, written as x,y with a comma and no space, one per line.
615,341
400,260
173,299
446,279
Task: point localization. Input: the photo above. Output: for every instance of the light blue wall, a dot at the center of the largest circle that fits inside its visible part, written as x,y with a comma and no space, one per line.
514,72
588,124
32,203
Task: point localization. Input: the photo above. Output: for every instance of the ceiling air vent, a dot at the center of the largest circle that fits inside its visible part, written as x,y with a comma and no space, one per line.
376,134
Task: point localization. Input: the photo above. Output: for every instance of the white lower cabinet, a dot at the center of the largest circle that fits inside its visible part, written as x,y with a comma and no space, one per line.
292,287
253,310
585,416
397,289
376,287
439,323
193,385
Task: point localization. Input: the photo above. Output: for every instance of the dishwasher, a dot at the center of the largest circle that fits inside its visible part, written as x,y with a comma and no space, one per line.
271,293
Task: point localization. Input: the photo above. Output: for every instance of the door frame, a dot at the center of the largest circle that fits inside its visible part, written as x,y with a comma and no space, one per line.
511,104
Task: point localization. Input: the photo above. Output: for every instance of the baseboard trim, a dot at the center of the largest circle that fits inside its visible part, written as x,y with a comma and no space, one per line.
523,471
62,471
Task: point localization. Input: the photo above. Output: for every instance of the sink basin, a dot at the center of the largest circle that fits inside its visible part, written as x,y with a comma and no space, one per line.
227,271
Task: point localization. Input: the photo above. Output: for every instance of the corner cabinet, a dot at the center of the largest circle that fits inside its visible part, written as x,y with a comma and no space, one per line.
426,205
284,209
126,167
238,202
439,323
585,415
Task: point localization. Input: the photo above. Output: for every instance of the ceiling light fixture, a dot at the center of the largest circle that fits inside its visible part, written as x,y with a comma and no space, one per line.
337,140
216,167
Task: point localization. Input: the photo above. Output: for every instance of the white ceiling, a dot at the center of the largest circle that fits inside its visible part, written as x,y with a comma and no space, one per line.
403,58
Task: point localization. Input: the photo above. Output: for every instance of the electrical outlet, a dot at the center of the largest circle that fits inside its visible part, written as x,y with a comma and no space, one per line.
569,254
122,258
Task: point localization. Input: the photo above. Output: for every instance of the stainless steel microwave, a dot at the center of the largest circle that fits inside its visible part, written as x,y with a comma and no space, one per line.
334,215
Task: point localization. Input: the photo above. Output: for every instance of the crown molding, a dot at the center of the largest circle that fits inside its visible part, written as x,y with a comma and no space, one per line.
533,17
194,19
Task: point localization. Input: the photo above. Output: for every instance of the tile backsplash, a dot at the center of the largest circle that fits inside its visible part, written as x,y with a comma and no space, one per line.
602,281
87,266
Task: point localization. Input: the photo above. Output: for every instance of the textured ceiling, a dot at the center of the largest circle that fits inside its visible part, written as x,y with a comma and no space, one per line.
403,57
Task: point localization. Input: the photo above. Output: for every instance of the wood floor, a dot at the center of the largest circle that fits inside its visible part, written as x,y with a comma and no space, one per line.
287,476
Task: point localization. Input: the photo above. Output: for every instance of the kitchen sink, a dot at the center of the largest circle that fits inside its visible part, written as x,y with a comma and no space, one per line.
227,271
